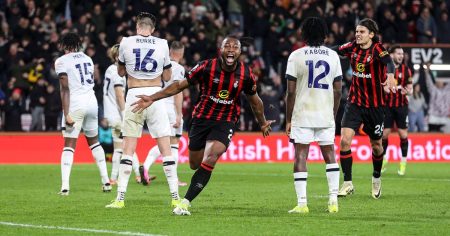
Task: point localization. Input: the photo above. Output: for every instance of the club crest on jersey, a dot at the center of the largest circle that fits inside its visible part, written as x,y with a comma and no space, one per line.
360,67
216,80
236,84
224,94
368,58
400,75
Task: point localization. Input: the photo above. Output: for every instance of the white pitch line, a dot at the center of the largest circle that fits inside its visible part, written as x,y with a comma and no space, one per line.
76,229
312,175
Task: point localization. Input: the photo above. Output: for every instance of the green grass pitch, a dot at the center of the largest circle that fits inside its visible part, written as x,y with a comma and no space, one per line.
240,199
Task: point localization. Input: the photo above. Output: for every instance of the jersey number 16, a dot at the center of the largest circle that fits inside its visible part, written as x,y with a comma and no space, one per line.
142,65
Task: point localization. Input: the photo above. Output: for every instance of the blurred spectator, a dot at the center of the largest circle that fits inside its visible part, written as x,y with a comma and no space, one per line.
2,105
13,111
272,94
426,27
439,112
416,106
52,109
37,103
443,29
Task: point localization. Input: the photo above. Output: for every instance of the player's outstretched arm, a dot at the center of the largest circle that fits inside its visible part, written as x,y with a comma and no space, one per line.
258,110
146,101
290,101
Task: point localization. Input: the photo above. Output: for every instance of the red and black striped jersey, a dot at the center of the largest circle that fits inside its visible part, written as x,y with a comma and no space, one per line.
403,76
220,90
368,72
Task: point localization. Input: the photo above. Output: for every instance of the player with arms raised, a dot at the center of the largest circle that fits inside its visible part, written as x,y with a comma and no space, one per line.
221,81
80,109
314,78
145,59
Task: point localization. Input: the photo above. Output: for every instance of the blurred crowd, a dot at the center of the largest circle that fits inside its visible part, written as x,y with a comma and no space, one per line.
30,30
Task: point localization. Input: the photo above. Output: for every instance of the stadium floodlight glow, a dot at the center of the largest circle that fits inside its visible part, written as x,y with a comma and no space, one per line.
434,67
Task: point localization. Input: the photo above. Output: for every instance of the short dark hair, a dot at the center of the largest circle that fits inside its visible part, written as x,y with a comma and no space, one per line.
70,41
145,18
176,45
394,47
314,31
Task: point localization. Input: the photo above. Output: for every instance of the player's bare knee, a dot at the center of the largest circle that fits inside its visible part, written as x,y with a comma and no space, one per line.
345,143
377,148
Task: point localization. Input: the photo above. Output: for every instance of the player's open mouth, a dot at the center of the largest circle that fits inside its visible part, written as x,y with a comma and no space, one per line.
229,59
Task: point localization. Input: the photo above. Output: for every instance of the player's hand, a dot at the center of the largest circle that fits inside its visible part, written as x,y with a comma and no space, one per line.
177,122
288,129
403,90
390,85
265,128
69,121
142,103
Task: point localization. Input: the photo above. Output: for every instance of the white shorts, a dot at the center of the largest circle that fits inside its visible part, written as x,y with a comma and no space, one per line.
323,136
175,132
116,129
86,119
155,115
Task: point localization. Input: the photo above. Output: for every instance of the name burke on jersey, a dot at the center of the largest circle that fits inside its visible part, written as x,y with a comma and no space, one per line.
152,41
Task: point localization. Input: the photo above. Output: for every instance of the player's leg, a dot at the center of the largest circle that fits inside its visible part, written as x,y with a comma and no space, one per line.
388,121
70,134
66,164
152,155
90,127
301,137
402,123
373,126
351,121
174,141
169,167
135,167
131,131
218,136
325,139
117,154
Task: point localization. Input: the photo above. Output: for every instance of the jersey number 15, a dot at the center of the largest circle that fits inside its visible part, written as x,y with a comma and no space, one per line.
313,82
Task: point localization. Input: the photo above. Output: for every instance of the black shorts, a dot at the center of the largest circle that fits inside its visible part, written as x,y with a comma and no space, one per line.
397,114
372,118
203,130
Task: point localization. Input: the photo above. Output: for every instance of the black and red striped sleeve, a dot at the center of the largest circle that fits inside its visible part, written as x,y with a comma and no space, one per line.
249,83
346,50
383,55
195,74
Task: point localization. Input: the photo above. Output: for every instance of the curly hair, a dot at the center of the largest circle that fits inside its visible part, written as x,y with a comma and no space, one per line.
314,31
70,42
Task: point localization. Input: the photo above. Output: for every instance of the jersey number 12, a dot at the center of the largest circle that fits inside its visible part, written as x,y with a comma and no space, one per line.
313,82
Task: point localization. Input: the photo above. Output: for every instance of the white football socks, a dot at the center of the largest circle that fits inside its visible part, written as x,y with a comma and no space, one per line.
136,165
125,169
170,169
332,171
99,156
115,163
66,167
300,180
153,154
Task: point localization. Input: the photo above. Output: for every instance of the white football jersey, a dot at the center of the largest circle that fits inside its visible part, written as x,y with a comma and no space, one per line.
112,80
79,69
177,74
314,69
144,57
